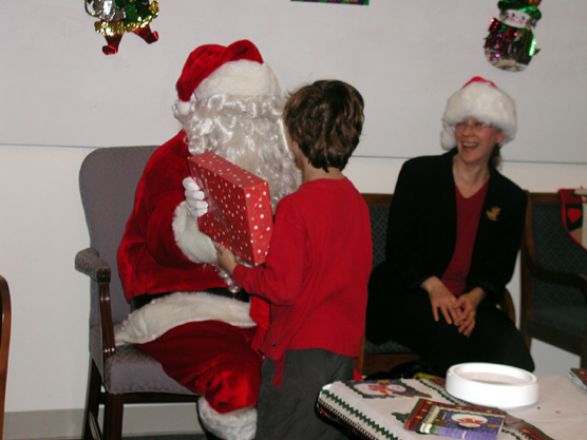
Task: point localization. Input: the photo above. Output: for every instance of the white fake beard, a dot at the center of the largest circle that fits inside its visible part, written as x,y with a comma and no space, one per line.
246,130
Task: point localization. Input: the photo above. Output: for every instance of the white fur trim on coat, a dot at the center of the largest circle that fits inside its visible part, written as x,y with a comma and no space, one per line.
195,245
162,314
240,424
483,102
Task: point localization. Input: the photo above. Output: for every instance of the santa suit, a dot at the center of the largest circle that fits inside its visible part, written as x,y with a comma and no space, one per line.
149,258
151,262
201,339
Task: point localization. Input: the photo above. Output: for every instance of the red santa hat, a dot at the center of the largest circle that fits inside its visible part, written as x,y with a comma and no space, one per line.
481,99
212,69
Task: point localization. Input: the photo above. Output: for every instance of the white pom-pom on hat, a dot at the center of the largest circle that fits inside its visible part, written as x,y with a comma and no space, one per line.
482,100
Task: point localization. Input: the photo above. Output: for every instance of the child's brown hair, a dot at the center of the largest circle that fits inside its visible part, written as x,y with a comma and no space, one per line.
325,119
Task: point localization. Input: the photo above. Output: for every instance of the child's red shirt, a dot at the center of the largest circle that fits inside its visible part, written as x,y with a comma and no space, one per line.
317,270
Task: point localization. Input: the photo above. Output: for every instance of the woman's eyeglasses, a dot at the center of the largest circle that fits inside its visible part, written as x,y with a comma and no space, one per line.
475,126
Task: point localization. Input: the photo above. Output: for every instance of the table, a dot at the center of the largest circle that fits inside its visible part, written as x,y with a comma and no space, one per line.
367,408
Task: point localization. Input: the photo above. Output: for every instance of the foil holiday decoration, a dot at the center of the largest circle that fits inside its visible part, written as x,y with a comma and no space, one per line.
349,2
510,44
115,17
104,10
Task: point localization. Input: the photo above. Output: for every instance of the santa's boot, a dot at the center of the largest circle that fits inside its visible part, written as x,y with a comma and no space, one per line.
240,424
147,34
112,47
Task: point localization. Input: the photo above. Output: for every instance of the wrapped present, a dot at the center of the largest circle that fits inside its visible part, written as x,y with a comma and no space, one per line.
239,207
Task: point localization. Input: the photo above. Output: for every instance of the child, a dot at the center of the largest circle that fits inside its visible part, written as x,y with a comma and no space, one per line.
317,269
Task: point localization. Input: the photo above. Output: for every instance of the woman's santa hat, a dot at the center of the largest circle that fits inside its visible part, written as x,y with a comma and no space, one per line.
212,69
480,99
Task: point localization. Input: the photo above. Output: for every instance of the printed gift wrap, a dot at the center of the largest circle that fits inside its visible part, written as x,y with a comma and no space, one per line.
456,421
239,208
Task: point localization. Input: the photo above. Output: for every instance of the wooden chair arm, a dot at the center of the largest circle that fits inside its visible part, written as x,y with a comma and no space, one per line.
360,360
88,262
6,307
577,280
507,305
106,325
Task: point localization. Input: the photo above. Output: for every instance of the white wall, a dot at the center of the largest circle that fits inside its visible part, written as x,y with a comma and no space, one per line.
41,221
405,56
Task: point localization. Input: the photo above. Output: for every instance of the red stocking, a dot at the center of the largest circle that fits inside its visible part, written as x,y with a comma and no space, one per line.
147,34
112,47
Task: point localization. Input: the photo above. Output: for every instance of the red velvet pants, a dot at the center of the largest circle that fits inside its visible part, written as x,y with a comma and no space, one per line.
213,359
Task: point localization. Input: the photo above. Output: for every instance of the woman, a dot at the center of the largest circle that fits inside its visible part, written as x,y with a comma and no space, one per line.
455,226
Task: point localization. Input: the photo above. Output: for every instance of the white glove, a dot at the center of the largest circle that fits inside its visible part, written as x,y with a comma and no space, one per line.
195,198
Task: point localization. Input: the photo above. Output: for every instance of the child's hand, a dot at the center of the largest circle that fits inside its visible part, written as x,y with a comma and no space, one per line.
226,259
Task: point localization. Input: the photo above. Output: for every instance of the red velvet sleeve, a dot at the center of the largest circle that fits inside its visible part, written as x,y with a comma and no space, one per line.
158,197
280,280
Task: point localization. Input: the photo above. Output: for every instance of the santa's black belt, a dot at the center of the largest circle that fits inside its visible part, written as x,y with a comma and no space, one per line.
139,301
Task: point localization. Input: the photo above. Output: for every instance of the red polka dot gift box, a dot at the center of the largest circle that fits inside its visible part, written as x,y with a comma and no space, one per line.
239,207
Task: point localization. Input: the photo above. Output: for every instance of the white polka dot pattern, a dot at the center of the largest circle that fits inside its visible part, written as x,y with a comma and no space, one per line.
239,207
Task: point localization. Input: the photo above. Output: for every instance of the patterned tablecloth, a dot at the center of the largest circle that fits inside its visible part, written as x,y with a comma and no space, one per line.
376,409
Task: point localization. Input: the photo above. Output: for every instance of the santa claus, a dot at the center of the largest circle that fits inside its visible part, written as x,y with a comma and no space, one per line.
185,311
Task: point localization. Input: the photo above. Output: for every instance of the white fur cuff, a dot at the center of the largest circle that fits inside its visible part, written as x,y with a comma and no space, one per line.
162,314
240,424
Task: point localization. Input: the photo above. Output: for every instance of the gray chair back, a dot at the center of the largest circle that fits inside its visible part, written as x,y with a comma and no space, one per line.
379,214
108,178
558,252
379,217
553,311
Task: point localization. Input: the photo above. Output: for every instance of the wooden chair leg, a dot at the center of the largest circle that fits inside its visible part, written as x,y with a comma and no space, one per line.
92,403
113,417
526,337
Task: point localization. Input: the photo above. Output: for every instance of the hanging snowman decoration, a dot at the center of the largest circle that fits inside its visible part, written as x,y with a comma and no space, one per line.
510,44
115,17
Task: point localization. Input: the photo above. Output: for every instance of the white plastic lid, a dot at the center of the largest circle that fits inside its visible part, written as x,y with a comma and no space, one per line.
496,385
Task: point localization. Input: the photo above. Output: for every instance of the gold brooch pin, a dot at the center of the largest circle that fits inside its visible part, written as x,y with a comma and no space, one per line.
493,213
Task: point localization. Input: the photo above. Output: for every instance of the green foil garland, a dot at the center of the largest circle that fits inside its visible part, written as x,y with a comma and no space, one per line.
136,14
